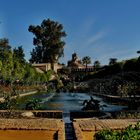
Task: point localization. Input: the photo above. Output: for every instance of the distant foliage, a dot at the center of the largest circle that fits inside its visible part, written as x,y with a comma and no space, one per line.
130,65
114,67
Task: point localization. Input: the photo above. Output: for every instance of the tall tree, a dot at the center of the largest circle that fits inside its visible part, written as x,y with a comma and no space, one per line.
18,54
7,65
4,47
4,44
86,60
6,58
48,42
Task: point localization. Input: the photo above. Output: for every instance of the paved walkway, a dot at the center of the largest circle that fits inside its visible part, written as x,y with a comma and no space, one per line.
21,95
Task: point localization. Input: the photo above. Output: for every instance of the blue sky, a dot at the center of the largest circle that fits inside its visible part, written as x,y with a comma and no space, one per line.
101,29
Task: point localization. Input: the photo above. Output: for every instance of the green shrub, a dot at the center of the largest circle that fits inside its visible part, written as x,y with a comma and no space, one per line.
33,104
129,133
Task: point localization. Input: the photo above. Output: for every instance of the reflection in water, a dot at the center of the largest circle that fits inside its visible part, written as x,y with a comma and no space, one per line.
54,105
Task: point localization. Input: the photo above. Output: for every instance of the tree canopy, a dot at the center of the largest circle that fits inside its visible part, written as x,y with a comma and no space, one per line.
48,42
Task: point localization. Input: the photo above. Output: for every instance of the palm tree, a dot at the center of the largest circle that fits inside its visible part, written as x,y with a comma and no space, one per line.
86,60
138,61
97,64
112,61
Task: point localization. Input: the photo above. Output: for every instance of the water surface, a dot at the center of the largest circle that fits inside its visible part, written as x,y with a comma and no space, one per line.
73,101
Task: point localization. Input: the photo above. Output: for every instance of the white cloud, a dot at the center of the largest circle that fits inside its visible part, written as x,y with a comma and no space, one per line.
93,39
84,29
87,26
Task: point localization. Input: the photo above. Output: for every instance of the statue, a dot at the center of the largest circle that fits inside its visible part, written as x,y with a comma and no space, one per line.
91,104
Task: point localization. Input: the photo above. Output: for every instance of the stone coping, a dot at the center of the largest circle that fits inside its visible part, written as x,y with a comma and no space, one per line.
32,124
97,125
16,114
32,110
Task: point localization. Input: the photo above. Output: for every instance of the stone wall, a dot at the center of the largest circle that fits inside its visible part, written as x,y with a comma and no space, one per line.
44,67
36,129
